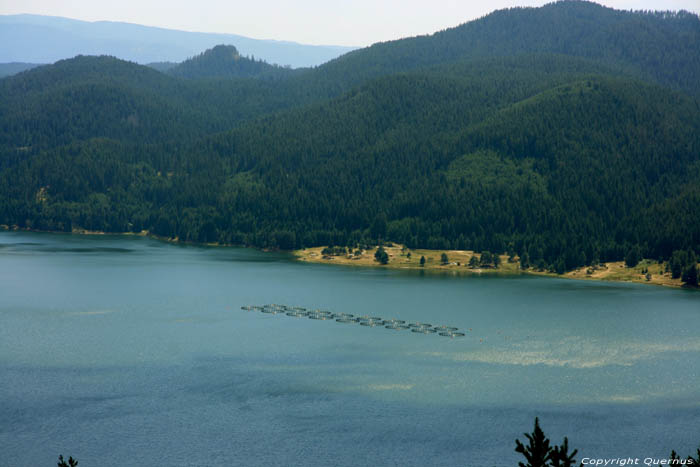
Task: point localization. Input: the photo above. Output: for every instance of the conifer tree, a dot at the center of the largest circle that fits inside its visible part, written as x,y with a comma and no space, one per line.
632,257
473,262
525,261
538,452
690,275
71,462
561,456
381,255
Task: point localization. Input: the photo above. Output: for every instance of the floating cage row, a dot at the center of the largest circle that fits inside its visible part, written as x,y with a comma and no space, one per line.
347,318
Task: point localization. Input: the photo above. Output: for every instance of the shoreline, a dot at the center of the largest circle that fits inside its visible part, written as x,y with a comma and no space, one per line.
143,233
458,261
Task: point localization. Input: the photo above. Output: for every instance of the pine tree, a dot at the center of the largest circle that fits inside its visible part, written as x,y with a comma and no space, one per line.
677,263
525,261
473,262
422,261
690,275
633,257
71,462
560,266
381,255
561,457
486,258
538,452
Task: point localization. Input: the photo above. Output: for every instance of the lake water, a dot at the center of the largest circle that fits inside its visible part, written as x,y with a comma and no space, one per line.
130,351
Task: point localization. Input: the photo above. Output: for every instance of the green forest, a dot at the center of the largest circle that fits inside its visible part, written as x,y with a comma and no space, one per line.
569,134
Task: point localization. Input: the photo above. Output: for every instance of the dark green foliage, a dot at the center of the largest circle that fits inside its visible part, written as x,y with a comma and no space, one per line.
549,139
681,265
560,266
561,457
422,260
524,260
378,228
284,239
473,262
381,255
225,61
94,97
633,256
539,453
677,263
334,251
71,462
658,45
690,275
690,460
486,259
444,259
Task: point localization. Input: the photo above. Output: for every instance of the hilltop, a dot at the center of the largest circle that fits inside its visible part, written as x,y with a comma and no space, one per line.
225,61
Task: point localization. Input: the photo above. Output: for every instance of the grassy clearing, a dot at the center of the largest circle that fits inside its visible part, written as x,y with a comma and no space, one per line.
399,258
617,271
458,261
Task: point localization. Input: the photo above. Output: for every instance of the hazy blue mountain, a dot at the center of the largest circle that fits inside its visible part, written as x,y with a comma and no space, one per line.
46,39
9,69
162,66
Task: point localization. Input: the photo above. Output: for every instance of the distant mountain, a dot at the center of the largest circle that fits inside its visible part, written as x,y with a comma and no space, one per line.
46,39
9,69
162,66
225,61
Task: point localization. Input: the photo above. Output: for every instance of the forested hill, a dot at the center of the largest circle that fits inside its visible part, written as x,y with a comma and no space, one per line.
104,97
660,46
569,132
225,61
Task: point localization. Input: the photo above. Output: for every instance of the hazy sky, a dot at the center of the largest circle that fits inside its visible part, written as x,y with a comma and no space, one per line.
337,22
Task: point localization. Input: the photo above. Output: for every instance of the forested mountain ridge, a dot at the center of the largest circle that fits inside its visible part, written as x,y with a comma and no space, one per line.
104,97
225,61
660,46
572,157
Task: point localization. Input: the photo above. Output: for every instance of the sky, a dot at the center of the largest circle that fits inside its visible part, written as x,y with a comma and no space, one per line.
327,22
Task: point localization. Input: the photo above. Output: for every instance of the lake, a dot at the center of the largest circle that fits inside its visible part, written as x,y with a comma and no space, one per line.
123,350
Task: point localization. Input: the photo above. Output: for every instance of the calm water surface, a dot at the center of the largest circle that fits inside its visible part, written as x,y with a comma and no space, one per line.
121,350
